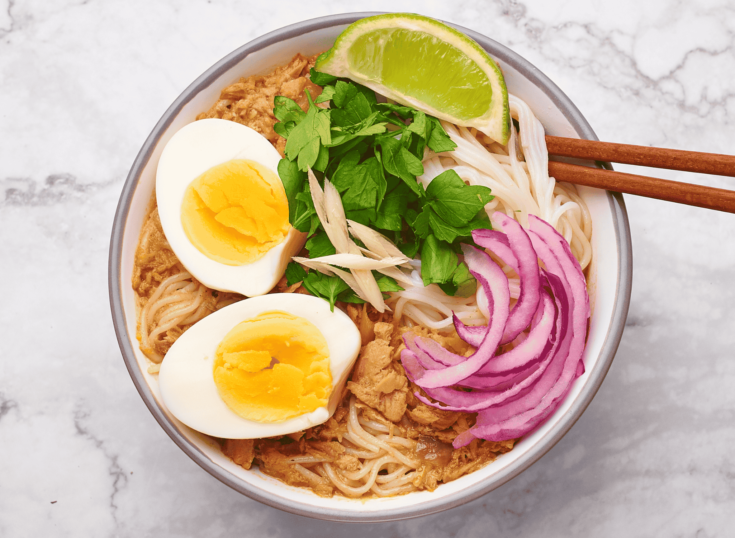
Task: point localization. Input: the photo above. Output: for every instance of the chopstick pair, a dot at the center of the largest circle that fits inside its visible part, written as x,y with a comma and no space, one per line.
661,189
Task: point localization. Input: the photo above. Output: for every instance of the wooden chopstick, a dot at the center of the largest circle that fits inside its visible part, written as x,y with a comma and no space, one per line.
661,189
671,159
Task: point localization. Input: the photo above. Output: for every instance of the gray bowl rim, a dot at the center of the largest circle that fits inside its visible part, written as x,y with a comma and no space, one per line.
607,353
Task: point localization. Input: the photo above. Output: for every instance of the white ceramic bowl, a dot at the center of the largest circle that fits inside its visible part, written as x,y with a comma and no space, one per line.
611,274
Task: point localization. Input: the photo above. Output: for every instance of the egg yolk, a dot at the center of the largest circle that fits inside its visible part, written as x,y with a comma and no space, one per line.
235,212
273,367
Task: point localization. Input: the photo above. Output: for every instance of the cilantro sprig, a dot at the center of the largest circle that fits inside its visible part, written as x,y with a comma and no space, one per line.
372,153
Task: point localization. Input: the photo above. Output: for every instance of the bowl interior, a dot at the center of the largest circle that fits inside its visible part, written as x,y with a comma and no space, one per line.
609,269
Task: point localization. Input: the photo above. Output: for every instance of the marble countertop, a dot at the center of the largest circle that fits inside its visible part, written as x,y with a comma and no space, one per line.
81,85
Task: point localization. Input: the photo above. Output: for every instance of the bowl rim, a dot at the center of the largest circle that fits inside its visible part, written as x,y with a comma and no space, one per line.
607,351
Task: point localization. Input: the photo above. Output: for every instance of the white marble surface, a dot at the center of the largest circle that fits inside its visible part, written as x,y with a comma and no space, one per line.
82,84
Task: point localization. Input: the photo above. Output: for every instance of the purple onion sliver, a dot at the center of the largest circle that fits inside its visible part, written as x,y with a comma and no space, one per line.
531,348
498,243
411,365
528,272
463,439
490,276
423,359
473,335
437,352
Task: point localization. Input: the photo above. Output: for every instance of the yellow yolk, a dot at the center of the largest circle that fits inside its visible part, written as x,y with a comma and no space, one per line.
299,381
235,212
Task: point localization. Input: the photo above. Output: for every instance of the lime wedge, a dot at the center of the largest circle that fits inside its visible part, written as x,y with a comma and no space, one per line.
423,63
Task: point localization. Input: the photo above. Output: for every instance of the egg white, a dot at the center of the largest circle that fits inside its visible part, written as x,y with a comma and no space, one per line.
186,379
193,150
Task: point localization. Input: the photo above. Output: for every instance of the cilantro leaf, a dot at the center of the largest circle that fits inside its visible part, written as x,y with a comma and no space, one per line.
378,128
358,145
308,154
444,231
398,161
393,209
462,284
386,283
349,296
438,140
287,110
421,222
438,261
368,93
363,216
343,93
343,176
365,128
319,245
413,163
326,95
479,222
293,181
326,287
404,112
294,273
465,282
370,194
305,213
321,79
322,159
358,108
417,145
305,139
449,233
288,113
419,124
363,185
355,110
455,202
284,129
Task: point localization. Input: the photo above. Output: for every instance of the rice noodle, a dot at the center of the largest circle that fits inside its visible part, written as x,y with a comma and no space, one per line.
391,492
395,475
383,450
351,491
401,441
377,426
178,302
363,454
313,478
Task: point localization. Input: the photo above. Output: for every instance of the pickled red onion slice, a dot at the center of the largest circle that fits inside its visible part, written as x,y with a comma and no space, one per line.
515,391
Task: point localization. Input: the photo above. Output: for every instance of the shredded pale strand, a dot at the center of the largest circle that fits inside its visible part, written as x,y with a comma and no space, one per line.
354,261
375,241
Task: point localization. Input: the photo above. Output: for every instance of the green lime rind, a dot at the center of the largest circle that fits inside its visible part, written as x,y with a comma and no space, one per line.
493,120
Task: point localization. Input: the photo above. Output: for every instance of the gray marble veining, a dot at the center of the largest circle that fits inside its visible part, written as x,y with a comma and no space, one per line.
81,85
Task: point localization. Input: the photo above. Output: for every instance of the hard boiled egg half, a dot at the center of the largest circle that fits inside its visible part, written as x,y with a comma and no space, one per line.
265,366
223,207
